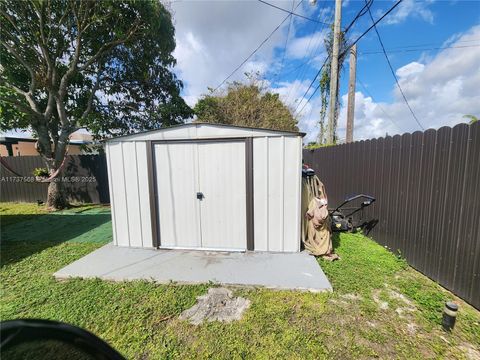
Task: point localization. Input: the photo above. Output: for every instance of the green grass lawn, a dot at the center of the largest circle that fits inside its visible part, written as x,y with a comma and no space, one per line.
380,307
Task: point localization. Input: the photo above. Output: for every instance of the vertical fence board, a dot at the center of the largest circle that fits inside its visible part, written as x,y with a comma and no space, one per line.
428,198
84,178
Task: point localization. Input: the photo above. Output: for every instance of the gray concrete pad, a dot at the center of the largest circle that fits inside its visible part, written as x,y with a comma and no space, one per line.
289,271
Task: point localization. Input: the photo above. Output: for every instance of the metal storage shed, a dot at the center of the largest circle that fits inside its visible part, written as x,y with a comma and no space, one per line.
208,187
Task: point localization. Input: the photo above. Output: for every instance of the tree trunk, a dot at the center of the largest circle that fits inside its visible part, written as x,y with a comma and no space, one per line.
55,197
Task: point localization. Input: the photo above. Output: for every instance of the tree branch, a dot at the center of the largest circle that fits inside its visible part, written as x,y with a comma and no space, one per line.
43,42
28,97
71,69
10,20
92,95
23,62
21,107
50,106
109,46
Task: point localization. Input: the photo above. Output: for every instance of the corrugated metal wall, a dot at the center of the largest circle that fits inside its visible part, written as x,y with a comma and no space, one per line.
427,187
277,192
129,191
84,177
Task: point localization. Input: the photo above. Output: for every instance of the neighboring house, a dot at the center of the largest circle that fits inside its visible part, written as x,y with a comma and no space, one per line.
20,146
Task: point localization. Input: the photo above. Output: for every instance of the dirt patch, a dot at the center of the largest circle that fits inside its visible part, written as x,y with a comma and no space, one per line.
412,328
351,297
396,295
217,305
469,351
376,297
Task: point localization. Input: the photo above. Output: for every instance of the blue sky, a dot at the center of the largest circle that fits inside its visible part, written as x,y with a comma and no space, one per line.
214,37
448,19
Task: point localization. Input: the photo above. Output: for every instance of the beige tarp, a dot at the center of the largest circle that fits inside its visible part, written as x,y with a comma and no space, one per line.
317,239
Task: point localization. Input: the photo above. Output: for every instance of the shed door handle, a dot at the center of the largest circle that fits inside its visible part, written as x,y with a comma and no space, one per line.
200,195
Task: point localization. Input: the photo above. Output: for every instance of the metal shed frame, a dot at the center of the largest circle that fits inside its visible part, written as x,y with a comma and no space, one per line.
266,142
249,185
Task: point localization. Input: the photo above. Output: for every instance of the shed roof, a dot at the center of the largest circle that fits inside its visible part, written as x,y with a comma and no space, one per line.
199,130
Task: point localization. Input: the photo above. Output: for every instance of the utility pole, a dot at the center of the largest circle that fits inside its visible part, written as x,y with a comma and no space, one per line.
351,93
334,71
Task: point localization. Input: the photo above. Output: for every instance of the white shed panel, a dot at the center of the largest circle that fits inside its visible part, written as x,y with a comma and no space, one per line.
118,189
277,193
211,187
143,193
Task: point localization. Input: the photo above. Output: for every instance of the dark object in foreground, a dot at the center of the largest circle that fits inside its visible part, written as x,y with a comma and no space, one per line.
449,315
344,222
44,339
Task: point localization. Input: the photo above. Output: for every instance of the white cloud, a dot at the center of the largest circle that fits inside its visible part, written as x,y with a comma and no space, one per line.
412,68
440,92
214,37
307,114
301,47
414,8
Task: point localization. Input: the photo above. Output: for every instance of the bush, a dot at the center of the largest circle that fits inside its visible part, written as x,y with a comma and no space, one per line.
40,172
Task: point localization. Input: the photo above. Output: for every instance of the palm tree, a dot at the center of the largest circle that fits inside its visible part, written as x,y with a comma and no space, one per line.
472,118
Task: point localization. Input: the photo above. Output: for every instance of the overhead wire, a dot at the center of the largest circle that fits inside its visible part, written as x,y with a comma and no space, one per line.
310,56
362,12
285,46
394,6
254,51
291,12
378,104
435,44
393,72
344,52
309,87
371,52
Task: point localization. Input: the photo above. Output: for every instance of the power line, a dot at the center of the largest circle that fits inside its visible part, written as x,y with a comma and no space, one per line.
371,27
359,14
362,12
377,103
393,72
303,72
285,46
371,52
435,44
343,53
291,12
310,86
254,51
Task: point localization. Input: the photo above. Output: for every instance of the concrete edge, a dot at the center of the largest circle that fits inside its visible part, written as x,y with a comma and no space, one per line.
62,277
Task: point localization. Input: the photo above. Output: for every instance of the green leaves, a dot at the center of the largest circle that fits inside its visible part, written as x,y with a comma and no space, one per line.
246,105
124,59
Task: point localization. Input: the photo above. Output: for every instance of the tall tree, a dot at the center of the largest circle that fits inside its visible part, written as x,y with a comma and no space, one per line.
246,104
101,65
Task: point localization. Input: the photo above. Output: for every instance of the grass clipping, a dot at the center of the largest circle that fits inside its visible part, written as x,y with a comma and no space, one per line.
217,305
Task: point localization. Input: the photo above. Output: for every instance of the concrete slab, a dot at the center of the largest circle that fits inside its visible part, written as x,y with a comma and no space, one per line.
290,271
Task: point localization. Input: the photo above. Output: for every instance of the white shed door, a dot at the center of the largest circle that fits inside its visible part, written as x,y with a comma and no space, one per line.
215,169
221,178
176,188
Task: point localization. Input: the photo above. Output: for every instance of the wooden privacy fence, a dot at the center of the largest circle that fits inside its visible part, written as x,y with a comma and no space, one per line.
427,187
84,177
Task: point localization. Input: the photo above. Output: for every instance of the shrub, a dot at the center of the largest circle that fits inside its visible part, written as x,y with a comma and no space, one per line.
40,172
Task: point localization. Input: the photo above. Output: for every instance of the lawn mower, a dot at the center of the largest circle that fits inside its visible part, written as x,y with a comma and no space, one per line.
343,219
